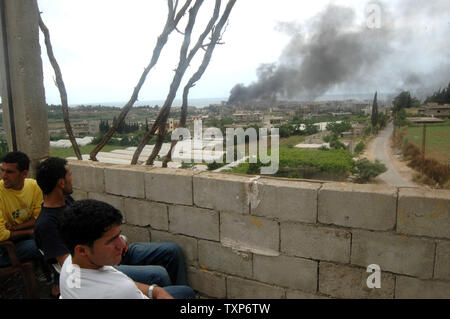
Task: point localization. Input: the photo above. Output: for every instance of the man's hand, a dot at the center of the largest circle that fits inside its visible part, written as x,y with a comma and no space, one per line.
160,293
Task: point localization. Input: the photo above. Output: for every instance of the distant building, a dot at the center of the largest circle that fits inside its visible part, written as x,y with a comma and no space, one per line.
435,110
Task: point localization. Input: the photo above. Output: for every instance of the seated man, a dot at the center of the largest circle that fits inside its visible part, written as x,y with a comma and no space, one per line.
143,262
20,205
91,231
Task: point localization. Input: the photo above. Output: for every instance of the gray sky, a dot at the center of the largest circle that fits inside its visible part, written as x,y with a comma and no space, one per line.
102,46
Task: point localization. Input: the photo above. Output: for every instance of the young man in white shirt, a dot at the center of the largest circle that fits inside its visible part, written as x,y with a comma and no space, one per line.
91,232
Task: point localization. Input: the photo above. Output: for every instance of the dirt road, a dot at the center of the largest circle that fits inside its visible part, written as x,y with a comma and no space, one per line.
398,174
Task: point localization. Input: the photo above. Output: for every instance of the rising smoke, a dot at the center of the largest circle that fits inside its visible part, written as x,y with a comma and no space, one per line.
336,52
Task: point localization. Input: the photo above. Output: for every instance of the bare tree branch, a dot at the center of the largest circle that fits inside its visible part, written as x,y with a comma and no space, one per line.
185,59
171,23
61,87
179,73
216,36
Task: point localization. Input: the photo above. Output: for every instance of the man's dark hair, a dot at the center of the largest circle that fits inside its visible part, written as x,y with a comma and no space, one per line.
49,172
86,221
22,160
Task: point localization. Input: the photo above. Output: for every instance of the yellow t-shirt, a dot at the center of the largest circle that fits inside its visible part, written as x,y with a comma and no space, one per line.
17,207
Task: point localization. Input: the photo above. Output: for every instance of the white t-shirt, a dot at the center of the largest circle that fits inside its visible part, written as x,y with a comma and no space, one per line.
103,283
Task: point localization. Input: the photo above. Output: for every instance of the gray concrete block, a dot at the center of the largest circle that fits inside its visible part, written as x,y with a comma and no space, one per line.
393,253
135,234
442,267
238,288
168,185
361,206
214,256
297,294
195,222
145,213
87,176
347,282
248,233
125,181
187,244
314,242
222,192
412,288
116,201
285,271
299,200
206,282
424,212
79,195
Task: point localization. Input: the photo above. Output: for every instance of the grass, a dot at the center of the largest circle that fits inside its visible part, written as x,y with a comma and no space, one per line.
69,152
437,143
291,141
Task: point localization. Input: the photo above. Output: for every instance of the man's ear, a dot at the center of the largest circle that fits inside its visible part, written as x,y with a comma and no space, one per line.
81,250
61,183
24,173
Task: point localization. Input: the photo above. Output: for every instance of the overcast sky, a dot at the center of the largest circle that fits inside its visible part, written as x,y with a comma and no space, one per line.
102,46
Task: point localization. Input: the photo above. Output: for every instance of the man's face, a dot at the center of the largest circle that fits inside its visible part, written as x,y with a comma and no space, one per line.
68,182
107,250
12,177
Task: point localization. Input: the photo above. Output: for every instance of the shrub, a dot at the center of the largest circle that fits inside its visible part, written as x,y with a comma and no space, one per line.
365,169
359,148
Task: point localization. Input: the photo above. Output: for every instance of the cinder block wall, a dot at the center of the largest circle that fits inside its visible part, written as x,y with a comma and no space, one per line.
258,237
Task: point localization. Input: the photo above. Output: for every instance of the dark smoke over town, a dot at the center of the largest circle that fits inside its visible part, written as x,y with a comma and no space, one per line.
337,52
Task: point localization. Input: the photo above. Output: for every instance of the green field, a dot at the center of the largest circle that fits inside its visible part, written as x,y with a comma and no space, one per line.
437,142
68,152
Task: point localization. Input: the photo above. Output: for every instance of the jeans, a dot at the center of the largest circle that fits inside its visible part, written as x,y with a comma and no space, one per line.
26,250
157,263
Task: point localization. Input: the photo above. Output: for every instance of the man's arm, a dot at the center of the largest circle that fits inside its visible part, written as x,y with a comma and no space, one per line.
158,292
24,226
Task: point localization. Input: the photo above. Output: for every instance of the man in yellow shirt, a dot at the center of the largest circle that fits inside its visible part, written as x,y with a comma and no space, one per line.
20,205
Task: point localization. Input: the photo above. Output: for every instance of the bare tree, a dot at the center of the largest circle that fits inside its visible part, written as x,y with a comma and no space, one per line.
185,59
173,18
216,37
61,87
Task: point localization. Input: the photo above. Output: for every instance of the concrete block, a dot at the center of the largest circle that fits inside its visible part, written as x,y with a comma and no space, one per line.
314,242
79,195
347,282
248,233
285,271
424,213
297,294
87,176
116,201
393,253
125,181
285,200
206,282
145,213
362,206
214,256
135,234
187,244
195,222
412,288
222,192
238,288
442,267
168,185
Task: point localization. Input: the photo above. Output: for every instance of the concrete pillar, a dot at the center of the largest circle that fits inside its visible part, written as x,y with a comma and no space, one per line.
20,62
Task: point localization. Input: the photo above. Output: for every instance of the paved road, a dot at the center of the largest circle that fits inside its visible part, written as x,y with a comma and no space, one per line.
381,150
